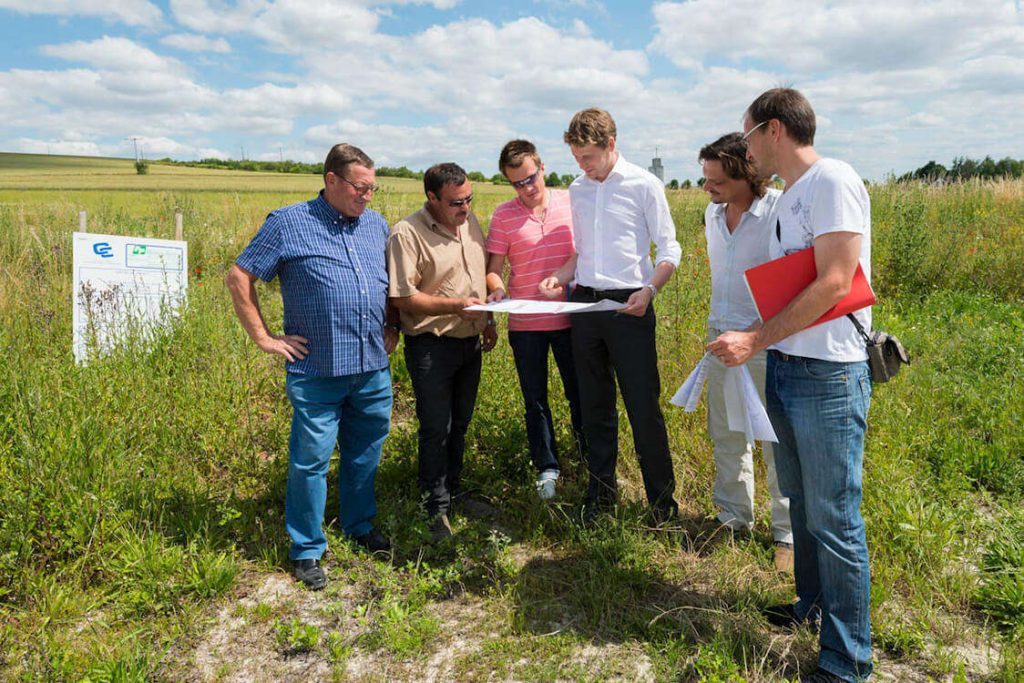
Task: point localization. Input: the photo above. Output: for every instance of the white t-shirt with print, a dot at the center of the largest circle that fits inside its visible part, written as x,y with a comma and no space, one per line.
828,197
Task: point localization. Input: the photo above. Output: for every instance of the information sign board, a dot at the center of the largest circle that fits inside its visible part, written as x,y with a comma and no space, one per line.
124,285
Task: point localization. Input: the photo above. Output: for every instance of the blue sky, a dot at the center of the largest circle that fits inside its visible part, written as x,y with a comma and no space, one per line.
415,82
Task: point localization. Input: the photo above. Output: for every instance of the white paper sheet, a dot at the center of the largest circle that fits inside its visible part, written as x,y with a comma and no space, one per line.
527,306
743,408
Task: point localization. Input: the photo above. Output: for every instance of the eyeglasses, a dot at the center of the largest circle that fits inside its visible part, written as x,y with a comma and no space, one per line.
528,180
360,189
456,203
747,134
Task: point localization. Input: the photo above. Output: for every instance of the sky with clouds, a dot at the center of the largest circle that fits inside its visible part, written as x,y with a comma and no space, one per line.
413,82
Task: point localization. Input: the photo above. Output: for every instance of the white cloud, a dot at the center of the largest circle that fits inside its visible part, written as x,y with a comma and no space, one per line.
806,36
131,12
471,143
85,148
118,54
887,81
191,42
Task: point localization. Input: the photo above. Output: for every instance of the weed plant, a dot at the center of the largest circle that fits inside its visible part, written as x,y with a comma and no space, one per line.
136,489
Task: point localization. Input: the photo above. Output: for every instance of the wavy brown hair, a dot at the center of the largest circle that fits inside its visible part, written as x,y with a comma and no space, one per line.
730,150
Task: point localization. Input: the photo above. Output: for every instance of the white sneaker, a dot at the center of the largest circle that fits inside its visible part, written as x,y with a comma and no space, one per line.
546,484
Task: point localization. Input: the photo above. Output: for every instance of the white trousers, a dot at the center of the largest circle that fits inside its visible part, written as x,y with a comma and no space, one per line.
734,459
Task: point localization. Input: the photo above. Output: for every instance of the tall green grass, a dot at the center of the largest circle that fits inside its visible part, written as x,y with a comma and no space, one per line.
135,489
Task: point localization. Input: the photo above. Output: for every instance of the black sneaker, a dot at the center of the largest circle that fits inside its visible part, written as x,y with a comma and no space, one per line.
310,574
821,676
784,616
373,542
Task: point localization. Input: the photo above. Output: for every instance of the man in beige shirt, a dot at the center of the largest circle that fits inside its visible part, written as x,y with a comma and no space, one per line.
436,268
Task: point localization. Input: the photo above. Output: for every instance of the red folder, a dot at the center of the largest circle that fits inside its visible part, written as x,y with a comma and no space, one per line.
774,284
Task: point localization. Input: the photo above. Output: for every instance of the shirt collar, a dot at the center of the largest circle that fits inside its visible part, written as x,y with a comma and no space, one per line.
756,209
329,211
757,206
437,227
619,167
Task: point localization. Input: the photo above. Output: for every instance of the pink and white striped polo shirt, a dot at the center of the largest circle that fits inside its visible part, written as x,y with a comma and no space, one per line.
534,249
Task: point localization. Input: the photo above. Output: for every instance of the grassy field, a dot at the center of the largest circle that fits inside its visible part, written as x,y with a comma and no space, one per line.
142,533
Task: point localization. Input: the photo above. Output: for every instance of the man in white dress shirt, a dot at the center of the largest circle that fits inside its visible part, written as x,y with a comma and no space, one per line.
618,210
738,223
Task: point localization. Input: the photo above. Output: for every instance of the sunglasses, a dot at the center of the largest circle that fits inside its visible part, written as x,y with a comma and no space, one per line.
528,180
456,203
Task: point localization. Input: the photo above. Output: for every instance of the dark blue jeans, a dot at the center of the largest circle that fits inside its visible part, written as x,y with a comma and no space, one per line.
530,350
819,411
445,374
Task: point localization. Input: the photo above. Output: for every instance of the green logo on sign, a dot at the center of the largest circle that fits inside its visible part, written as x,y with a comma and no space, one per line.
138,249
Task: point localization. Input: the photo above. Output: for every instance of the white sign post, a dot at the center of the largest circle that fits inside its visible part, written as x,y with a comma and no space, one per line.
124,285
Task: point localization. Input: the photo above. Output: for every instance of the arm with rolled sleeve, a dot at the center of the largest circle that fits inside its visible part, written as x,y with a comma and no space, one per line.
662,232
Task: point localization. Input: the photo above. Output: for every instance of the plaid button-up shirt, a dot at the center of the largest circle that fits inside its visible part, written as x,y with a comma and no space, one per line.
333,283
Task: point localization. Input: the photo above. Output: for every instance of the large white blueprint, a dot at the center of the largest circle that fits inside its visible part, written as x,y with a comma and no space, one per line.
520,306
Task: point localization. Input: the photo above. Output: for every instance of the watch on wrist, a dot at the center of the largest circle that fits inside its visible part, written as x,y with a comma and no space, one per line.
653,288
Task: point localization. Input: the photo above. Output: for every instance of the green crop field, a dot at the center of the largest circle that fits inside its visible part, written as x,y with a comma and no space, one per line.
142,496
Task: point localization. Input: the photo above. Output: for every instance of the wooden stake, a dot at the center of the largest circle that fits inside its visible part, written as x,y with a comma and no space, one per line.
179,226
82,219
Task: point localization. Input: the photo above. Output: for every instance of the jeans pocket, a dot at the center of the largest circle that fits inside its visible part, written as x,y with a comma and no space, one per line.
824,369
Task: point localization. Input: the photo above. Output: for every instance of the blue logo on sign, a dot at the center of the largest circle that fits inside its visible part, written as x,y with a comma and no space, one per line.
103,249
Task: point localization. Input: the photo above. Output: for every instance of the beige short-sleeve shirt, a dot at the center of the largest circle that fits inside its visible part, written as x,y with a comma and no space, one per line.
425,256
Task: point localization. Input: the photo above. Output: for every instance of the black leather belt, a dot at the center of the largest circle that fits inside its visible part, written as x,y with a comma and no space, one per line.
614,294
786,358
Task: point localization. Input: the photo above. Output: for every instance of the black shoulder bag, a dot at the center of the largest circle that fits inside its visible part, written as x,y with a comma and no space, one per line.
886,354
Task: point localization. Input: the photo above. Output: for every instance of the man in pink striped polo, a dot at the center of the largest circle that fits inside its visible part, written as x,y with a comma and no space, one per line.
534,232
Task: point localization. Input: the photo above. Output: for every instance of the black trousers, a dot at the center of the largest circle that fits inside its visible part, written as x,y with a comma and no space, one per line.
445,373
609,346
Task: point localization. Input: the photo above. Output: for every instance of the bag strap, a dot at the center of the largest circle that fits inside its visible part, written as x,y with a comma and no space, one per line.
860,328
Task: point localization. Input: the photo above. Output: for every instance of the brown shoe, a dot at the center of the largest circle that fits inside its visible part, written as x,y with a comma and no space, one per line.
784,557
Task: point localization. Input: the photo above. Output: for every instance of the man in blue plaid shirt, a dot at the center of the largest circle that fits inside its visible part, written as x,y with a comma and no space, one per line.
329,255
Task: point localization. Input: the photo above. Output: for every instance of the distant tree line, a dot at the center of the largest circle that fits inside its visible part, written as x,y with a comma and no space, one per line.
285,166
964,168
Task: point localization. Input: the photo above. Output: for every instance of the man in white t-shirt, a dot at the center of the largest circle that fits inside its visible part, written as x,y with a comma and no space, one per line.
738,224
818,385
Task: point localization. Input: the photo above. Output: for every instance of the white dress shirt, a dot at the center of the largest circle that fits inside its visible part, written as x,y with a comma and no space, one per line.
730,254
614,224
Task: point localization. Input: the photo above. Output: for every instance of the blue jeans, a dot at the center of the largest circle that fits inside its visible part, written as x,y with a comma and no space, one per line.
530,350
355,412
819,412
